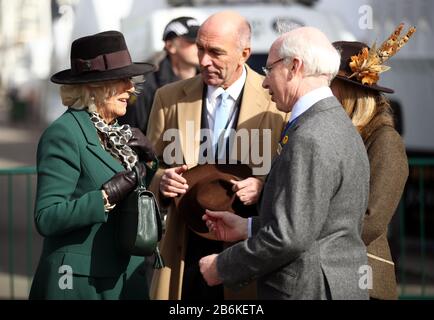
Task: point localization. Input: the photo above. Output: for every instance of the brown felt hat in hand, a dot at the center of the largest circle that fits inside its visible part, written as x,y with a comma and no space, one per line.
210,188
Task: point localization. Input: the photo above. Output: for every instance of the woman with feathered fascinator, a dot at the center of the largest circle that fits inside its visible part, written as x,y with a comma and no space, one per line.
356,86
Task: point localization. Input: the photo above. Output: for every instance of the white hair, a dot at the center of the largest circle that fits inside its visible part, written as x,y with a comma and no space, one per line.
77,97
317,59
283,26
87,96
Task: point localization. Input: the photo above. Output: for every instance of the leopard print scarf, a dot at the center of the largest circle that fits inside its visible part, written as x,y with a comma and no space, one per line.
115,142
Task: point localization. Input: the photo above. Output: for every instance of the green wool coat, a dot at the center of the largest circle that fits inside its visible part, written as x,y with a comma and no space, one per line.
78,234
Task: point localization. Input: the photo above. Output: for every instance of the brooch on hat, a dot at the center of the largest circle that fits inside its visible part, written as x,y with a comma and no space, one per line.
368,64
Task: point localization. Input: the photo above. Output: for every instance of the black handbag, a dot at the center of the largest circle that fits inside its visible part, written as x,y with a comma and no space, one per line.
140,227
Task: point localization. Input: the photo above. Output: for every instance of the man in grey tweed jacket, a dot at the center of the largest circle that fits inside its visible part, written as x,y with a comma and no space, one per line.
306,242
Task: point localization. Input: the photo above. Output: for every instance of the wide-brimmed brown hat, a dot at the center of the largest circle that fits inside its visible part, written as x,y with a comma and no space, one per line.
347,50
210,188
100,57
362,66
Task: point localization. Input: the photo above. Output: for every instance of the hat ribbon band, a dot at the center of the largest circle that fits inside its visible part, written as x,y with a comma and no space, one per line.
102,62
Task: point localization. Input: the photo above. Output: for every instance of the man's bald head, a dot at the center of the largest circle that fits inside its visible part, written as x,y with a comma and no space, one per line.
229,24
223,43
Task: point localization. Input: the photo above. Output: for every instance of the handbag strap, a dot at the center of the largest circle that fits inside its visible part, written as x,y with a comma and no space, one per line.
140,183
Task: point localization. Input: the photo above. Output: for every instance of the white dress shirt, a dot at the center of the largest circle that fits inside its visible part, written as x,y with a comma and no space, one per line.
308,100
234,92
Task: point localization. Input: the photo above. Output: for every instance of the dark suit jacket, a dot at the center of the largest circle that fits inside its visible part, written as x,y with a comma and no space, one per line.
69,212
307,241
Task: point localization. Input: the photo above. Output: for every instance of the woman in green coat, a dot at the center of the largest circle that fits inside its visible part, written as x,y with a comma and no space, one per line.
356,88
85,161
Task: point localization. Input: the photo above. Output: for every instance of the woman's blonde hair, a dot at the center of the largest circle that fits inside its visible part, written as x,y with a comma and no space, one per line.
367,109
89,95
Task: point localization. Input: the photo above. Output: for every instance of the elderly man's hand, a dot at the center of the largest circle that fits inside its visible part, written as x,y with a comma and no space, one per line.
226,226
248,190
208,268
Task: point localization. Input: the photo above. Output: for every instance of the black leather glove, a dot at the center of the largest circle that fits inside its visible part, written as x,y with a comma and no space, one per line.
141,145
122,183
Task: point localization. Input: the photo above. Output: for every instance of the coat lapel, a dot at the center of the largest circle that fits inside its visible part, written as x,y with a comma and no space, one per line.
93,143
189,113
252,109
253,103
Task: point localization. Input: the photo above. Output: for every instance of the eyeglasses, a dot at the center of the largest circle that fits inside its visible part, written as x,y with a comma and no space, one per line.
267,69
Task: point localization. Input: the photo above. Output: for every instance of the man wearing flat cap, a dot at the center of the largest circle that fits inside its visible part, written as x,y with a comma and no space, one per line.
179,61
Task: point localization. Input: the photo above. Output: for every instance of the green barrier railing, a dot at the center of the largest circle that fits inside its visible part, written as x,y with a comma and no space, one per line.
9,175
421,165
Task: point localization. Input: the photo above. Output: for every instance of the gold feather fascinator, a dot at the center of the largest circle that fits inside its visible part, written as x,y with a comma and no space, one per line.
363,65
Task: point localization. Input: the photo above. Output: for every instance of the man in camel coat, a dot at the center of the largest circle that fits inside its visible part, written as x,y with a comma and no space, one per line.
189,106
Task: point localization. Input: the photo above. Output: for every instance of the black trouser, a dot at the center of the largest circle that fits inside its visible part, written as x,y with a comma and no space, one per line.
194,286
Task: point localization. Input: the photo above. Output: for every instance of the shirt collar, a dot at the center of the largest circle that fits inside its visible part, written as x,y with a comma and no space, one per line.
234,90
308,100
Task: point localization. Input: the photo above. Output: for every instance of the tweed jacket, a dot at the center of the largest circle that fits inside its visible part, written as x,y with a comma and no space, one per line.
69,213
179,106
389,172
306,242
